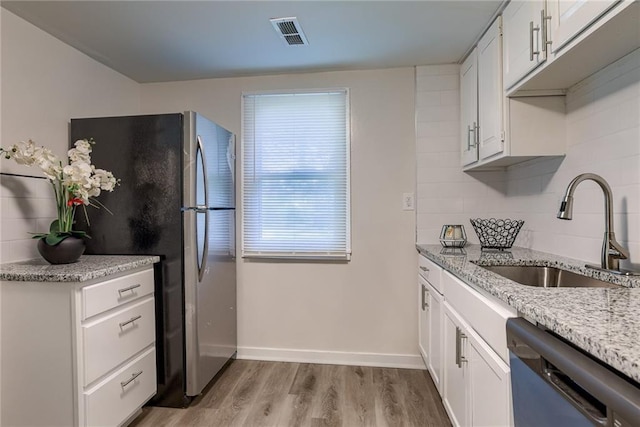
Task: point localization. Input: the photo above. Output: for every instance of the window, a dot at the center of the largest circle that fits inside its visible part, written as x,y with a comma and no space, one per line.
295,175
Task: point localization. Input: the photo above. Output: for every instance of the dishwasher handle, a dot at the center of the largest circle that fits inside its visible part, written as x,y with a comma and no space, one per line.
574,394
620,395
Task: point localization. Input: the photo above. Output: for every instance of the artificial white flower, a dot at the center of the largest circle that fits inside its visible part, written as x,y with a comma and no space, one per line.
106,180
74,184
82,151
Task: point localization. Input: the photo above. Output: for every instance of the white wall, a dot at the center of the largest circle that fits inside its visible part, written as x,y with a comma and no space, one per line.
358,312
44,84
603,121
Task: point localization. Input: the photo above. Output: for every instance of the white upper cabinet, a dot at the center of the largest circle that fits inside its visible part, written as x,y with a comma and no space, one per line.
524,48
565,42
490,93
498,131
469,109
569,17
482,99
535,126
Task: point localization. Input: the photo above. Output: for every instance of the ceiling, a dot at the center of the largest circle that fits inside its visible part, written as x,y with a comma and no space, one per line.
152,41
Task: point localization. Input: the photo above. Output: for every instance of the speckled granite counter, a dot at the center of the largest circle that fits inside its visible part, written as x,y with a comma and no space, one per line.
87,268
604,322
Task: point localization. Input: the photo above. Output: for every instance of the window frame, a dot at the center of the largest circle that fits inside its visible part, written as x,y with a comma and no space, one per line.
292,255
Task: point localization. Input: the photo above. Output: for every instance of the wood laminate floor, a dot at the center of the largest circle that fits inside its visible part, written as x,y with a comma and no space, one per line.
256,393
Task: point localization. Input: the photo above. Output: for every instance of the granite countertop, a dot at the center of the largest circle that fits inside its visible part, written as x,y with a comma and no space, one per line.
87,268
602,321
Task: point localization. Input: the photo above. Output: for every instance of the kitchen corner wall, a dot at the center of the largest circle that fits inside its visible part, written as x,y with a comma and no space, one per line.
360,312
445,194
603,137
45,83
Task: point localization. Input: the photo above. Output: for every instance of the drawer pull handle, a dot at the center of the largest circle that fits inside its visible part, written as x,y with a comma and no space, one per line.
130,288
133,319
135,375
424,268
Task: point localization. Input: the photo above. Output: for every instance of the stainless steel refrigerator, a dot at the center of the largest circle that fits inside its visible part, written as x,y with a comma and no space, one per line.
176,199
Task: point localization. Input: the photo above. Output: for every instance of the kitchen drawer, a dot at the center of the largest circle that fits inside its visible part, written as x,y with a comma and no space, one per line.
487,317
112,293
431,272
120,395
111,340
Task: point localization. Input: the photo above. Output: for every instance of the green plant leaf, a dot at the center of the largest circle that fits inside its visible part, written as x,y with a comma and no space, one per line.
55,226
53,239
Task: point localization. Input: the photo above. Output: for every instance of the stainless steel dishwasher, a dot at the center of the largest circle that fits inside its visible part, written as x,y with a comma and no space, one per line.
554,384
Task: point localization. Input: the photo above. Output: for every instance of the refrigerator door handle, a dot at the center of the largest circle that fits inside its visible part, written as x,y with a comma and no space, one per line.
202,265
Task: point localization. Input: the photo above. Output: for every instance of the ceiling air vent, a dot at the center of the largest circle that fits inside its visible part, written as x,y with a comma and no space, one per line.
290,31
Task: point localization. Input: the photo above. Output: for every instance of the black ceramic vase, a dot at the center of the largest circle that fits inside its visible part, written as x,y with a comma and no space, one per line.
65,252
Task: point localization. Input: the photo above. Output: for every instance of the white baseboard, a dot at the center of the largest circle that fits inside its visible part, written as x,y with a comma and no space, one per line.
408,361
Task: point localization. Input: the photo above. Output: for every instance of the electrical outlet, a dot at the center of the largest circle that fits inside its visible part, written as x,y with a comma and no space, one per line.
408,202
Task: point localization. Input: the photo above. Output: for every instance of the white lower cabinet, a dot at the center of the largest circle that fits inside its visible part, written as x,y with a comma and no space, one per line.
430,319
118,396
78,353
462,339
490,385
423,319
456,370
434,327
430,327
476,380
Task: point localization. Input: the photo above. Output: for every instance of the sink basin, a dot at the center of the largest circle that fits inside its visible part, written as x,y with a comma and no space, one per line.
548,277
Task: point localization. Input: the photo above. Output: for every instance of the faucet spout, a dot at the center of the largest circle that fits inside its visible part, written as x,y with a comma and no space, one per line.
612,251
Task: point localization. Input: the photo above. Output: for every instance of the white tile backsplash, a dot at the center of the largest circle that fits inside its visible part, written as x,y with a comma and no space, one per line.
27,206
431,83
603,120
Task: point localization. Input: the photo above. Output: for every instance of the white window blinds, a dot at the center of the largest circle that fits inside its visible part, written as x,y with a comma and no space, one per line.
295,175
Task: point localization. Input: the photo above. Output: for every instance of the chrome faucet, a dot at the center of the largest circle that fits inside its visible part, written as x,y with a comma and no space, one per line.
612,251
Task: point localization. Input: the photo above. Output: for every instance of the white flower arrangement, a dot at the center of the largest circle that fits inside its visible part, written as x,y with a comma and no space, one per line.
76,184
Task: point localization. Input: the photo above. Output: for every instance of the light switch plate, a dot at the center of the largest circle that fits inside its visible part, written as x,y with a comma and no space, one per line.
408,202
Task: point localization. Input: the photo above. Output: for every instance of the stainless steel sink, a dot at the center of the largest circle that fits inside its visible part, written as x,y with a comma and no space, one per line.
548,277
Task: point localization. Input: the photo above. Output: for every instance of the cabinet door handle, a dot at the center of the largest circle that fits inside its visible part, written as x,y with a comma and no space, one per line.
424,268
463,359
458,347
476,134
133,319
543,24
135,375
472,142
460,359
130,288
532,29
424,298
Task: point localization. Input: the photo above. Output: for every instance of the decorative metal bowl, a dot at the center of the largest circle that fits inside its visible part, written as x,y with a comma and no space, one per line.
496,233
